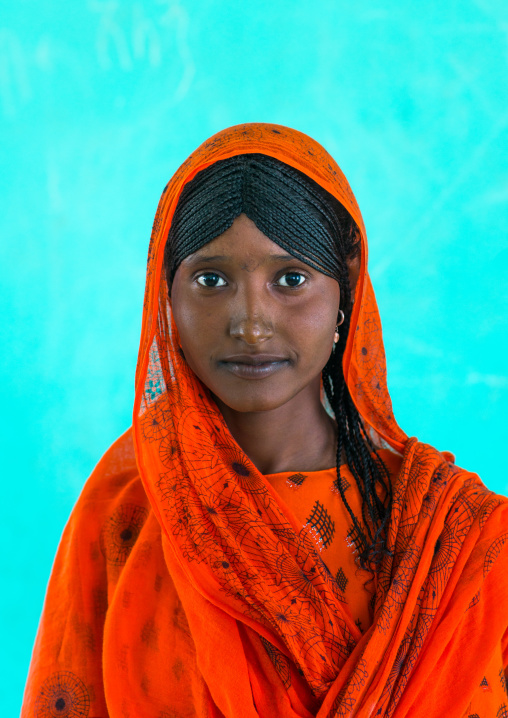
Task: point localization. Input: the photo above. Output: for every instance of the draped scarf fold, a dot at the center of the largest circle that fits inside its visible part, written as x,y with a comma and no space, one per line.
249,578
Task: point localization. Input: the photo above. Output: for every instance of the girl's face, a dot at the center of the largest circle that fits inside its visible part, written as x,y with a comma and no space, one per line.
256,325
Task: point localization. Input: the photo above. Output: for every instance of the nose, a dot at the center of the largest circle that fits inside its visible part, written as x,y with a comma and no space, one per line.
252,329
250,321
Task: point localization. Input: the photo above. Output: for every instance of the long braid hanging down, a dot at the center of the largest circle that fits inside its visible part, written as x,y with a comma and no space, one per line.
361,455
309,223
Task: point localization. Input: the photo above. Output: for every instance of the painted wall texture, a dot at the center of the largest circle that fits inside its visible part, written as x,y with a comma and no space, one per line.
101,100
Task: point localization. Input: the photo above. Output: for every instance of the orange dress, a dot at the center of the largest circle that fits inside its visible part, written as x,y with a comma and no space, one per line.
314,499
188,584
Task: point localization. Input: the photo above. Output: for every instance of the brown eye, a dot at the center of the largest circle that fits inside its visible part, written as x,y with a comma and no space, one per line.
291,279
210,279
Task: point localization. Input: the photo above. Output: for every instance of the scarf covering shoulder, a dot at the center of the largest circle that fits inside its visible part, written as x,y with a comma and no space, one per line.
184,587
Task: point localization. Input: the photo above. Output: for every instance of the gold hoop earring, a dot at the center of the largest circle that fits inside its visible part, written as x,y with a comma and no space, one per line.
336,336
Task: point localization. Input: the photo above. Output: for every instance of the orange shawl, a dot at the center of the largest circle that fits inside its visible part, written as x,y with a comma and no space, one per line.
185,586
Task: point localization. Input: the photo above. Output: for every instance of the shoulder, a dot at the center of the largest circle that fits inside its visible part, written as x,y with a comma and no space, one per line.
114,485
106,520
460,492
115,470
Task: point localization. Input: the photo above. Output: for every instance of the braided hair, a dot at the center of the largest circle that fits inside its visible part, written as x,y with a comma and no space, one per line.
308,222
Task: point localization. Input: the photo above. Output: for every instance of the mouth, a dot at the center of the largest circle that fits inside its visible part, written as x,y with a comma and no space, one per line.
254,366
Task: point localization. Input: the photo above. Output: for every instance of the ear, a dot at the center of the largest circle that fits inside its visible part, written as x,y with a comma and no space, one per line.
354,265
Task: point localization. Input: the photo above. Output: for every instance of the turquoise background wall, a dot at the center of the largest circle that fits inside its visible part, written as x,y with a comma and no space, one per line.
100,101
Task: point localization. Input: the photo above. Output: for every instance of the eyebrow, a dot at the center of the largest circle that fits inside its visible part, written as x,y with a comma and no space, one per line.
224,258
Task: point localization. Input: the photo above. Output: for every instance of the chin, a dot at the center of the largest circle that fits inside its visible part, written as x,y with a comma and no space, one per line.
253,404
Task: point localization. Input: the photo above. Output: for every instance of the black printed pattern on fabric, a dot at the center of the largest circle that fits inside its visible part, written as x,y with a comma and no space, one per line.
475,599
167,450
322,523
404,663
502,711
345,702
280,662
399,588
237,529
339,482
62,694
493,553
295,480
342,579
353,539
488,507
502,678
395,576
370,389
154,422
120,532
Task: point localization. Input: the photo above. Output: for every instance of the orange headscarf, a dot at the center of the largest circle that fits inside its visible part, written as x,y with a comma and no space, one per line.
187,554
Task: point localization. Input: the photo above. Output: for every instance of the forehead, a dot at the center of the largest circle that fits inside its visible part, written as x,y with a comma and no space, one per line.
243,241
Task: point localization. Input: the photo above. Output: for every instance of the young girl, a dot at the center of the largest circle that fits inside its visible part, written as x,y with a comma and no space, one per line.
266,540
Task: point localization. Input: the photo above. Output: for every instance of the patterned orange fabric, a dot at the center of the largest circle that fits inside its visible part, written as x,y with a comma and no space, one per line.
188,584
314,499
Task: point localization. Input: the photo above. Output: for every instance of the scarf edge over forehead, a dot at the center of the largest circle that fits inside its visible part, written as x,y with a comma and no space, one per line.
364,361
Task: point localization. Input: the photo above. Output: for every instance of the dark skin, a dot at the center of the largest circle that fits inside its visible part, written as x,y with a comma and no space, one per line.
257,327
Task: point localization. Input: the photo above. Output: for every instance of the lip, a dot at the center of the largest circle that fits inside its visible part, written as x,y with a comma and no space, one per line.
254,366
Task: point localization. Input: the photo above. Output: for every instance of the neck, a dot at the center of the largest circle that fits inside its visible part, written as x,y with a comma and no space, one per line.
298,436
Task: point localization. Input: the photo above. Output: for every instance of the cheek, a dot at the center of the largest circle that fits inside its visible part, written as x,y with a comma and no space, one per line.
200,330
313,327
193,328
192,321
